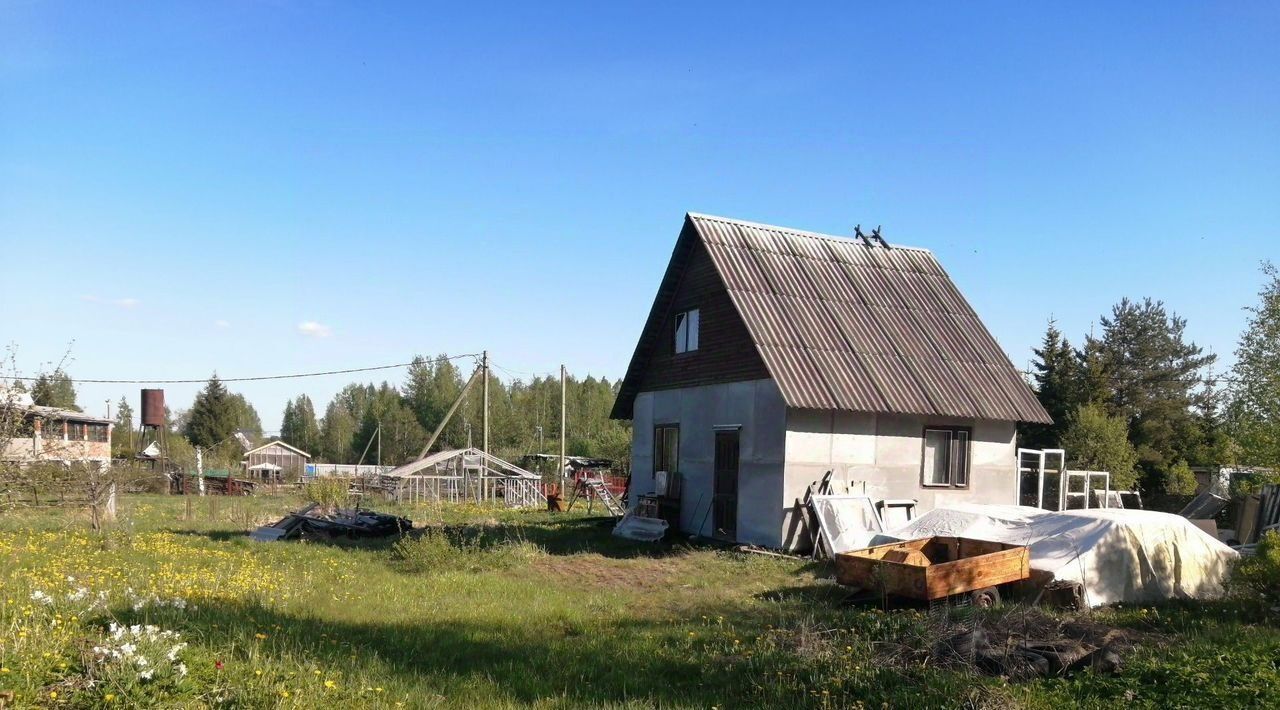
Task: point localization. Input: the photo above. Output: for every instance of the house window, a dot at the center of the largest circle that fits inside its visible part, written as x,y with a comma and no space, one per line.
946,457
52,429
687,331
666,448
98,433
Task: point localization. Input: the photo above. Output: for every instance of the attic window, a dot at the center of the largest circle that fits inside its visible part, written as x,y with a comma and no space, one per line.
687,331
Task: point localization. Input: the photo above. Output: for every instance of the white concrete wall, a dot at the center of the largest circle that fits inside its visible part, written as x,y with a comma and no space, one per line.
757,407
884,452
784,450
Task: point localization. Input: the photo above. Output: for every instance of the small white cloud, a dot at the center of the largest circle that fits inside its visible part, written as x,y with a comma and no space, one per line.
121,302
314,329
222,323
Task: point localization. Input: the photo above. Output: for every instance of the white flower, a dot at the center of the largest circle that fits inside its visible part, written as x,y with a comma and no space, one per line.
182,670
146,675
41,597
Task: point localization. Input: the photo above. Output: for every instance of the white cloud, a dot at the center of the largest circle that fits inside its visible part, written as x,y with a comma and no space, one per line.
222,323
314,329
121,302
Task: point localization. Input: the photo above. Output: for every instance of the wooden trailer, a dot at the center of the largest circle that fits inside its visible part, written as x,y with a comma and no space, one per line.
935,568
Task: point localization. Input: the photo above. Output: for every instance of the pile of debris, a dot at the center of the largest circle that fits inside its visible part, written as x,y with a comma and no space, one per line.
1029,644
349,523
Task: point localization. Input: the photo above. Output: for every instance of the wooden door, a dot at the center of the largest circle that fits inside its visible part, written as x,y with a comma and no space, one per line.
724,519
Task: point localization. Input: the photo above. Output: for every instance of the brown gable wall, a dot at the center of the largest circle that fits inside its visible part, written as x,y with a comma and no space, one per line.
725,351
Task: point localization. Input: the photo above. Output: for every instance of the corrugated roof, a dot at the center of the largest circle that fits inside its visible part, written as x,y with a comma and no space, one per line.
842,325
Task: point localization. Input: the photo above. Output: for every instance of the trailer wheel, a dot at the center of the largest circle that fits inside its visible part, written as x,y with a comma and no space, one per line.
985,598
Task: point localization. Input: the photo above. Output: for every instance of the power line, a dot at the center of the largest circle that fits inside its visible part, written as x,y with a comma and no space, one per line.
246,379
509,371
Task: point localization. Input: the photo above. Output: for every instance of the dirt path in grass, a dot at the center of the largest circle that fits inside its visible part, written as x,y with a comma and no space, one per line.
599,572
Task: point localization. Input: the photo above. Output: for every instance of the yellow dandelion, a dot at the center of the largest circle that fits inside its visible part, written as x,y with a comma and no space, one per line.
109,697
259,636
53,695
330,684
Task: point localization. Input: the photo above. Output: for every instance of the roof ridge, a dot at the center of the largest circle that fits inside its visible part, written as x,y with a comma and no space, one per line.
800,232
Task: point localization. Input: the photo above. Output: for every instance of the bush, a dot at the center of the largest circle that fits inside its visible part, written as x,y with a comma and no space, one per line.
1100,442
1180,480
329,493
467,549
1257,578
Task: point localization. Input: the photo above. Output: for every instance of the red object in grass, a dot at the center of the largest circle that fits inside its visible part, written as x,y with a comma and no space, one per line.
217,664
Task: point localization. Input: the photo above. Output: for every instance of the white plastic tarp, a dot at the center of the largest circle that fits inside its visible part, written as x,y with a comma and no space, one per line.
846,522
635,527
1116,555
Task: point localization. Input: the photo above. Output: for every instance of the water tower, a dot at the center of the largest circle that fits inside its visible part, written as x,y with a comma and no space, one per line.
153,415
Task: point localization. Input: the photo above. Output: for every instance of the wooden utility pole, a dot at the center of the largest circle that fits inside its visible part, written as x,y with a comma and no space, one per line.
449,414
563,428
485,366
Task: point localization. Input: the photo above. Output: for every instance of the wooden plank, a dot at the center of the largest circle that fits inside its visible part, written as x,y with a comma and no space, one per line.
932,568
973,573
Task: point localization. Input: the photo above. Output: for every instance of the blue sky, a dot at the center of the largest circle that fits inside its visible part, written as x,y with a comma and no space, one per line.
182,186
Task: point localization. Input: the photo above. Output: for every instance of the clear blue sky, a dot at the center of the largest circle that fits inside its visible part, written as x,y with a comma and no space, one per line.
182,186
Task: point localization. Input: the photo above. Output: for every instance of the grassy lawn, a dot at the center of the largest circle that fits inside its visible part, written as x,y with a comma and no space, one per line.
497,608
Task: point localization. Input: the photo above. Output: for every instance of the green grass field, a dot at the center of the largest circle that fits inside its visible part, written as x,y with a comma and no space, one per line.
512,609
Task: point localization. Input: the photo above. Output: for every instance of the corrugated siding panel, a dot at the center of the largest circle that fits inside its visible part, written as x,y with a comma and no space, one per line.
943,387
860,329
798,378
897,384
849,381
986,391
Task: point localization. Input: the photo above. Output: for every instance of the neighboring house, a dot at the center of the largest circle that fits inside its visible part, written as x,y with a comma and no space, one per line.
275,461
771,356
49,434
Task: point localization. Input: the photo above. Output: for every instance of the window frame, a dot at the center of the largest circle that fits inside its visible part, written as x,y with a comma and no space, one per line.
692,322
659,447
955,434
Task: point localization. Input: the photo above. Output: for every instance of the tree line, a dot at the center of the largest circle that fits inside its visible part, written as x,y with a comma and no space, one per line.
367,422
364,421
1141,401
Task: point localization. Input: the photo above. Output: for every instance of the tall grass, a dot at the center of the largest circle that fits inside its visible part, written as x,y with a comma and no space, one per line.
497,608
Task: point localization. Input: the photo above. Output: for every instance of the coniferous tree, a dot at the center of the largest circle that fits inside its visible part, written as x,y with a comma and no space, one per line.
1057,386
298,426
122,435
1253,410
1156,381
55,390
289,425
212,418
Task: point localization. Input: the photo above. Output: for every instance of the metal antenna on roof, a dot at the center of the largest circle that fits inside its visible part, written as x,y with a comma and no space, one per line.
857,233
875,234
